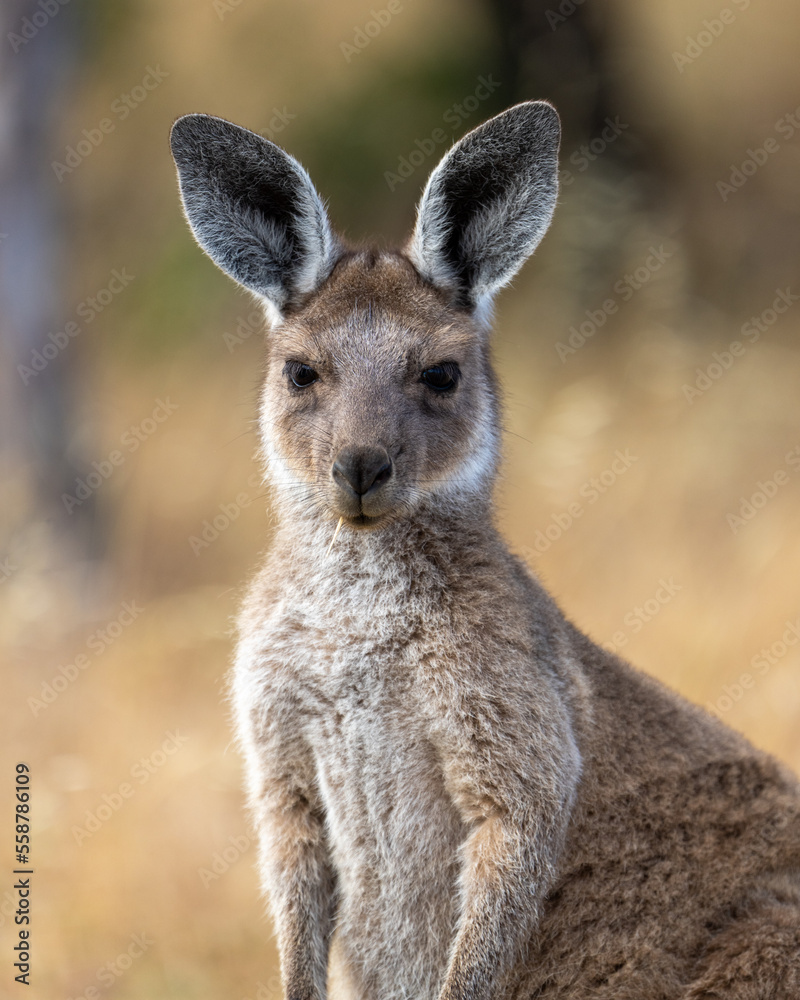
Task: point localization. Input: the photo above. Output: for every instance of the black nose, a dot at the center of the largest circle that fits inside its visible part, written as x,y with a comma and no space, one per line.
362,469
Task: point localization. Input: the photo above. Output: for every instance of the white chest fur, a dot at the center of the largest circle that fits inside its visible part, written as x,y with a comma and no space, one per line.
341,678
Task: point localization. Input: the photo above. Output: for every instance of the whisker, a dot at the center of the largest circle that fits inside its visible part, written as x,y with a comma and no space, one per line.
338,526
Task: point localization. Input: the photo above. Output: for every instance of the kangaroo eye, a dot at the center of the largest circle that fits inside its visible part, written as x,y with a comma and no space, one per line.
301,375
441,377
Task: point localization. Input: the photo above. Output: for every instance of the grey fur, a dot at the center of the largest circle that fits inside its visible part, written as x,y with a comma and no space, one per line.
458,795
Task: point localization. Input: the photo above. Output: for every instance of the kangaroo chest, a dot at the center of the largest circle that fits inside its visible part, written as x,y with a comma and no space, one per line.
358,697
389,816
378,774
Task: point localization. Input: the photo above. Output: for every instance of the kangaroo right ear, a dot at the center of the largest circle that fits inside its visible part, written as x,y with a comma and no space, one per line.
253,209
488,204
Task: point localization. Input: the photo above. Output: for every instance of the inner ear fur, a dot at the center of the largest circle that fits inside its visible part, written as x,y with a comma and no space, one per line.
253,209
488,204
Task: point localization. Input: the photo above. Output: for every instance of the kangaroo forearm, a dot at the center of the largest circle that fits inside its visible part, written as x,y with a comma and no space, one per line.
301,889
503,886
305,925
481,954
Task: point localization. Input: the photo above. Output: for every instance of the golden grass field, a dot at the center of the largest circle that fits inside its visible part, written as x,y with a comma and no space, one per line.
115,687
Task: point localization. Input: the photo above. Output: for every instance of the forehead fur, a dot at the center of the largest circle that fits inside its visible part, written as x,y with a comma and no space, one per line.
377,303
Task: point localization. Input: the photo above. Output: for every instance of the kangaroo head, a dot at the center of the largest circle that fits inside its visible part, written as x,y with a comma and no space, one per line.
378,394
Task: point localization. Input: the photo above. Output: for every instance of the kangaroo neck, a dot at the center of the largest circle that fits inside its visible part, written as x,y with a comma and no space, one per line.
425,541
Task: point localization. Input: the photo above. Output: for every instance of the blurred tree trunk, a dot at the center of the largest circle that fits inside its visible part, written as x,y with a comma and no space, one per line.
557,50
561,50
39,52
559,57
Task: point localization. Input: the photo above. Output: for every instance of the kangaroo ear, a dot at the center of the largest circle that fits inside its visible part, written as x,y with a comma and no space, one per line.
253,209
488,204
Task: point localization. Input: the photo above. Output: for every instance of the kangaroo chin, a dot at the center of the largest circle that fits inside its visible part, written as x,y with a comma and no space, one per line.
458,795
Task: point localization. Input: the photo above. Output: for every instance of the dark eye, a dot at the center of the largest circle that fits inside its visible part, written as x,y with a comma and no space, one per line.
441,377
301,375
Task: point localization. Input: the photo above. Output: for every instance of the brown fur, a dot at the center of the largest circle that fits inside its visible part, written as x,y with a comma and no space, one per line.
423,670
459,796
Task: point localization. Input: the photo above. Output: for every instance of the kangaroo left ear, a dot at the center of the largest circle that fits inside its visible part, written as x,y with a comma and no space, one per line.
253,209
488,204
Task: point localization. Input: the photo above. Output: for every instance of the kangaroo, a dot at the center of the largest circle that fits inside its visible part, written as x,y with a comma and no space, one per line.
459,796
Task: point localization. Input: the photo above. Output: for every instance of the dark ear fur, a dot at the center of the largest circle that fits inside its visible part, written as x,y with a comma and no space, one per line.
253,209
488,204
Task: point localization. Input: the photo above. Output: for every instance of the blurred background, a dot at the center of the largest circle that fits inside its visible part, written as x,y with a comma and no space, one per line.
649,355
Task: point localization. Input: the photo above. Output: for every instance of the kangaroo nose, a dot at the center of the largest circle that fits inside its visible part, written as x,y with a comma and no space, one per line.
362,469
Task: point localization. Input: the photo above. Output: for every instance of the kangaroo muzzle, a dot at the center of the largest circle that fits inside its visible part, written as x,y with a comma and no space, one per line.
361,476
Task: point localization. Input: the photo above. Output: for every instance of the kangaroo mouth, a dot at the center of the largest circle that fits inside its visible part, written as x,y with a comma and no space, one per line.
364,520
363,512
